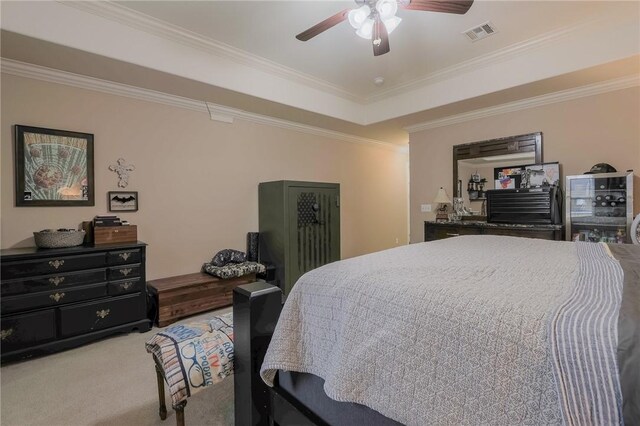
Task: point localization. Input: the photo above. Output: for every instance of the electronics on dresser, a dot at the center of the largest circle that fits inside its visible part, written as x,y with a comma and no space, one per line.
542,205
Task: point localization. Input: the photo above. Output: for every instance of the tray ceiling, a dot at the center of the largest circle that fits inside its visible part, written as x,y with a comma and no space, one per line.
245,53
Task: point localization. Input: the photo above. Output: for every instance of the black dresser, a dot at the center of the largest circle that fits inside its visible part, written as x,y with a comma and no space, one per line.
439,230
55,299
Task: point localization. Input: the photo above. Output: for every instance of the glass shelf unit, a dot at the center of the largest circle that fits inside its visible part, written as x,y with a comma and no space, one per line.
599,207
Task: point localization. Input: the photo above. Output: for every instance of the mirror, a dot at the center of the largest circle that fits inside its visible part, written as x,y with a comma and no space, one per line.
474,165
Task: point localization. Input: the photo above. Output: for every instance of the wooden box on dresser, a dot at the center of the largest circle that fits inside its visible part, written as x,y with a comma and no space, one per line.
439,230
55,299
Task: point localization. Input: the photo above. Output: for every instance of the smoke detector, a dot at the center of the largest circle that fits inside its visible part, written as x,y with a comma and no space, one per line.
378,81
481,31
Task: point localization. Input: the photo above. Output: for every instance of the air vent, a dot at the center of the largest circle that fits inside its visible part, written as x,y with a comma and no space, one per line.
480,32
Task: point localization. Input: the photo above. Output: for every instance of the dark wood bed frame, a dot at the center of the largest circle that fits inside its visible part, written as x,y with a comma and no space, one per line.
256,309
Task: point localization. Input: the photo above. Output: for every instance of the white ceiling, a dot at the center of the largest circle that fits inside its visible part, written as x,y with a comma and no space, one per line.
424,43
247,48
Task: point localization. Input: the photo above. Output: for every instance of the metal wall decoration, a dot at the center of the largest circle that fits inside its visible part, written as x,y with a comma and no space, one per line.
122,169
123,201
53,167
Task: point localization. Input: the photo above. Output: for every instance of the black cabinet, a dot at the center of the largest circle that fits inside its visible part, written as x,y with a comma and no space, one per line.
54,299
439,230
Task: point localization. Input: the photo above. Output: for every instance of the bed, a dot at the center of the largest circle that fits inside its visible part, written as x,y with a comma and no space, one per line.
467,330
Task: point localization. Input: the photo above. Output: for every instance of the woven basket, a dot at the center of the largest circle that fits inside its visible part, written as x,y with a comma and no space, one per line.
58,239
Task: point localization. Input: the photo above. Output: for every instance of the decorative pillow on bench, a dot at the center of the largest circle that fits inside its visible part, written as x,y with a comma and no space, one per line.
226,256
232,270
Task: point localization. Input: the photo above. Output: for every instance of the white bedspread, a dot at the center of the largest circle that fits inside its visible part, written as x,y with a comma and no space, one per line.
448,332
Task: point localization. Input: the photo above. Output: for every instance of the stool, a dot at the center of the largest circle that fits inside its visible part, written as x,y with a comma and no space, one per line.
190,357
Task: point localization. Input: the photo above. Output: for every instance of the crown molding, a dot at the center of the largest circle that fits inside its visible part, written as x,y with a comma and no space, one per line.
37,72
216,112
222,113
140,21
552,98
500,55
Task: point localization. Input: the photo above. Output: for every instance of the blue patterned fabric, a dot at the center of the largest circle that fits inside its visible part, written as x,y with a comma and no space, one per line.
194,355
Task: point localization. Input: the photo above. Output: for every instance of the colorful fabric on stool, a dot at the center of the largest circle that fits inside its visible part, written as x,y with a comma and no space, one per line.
194,355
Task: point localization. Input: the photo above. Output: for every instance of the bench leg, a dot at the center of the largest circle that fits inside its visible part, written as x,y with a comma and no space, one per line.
163,407
180,413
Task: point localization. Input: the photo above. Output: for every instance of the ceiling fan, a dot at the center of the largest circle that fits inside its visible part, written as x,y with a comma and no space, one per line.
375,20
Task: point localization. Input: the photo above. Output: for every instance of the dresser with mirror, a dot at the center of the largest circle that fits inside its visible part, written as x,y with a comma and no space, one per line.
473,175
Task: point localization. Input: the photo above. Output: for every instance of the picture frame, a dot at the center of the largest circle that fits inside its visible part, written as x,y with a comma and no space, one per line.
122,201
53,167
545,174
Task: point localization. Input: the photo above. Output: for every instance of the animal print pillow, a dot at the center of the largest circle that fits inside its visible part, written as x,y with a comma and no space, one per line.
228,256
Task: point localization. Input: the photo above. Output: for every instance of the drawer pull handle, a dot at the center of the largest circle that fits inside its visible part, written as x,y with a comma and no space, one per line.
126,285
103,313
452,235
125,271
4,334
55,264
57,297
125,256
56,280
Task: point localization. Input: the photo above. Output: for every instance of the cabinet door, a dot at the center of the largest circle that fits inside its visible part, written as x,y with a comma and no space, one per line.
314,230
599,208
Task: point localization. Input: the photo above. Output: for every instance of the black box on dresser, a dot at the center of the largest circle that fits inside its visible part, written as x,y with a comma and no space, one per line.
55,299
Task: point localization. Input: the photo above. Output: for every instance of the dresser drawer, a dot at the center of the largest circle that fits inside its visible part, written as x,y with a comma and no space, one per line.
11,304
52,265
527,233
439,232
105,313
124,272
19,331
52,282
125,286
123,256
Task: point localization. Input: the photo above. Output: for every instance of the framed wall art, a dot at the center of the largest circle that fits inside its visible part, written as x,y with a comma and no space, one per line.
123,201
53,167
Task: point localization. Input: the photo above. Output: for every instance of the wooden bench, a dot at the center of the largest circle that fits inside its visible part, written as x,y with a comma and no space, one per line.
185,295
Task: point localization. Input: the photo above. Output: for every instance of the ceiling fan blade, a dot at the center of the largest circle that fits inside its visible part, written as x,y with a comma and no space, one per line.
380,38
459,7
323,26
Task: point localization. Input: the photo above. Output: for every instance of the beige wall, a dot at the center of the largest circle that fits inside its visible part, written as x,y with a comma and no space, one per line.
578,134
197,179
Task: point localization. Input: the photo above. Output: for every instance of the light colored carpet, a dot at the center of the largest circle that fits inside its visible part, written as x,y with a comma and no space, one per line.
109,382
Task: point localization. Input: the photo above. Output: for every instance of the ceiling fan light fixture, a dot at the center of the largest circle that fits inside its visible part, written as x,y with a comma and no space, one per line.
366,29
392,23
387,8
358,16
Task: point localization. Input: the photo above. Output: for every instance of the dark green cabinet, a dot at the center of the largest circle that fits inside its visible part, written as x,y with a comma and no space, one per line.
299,227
